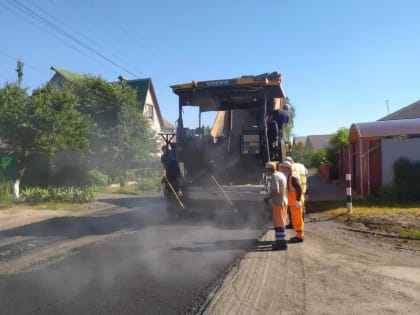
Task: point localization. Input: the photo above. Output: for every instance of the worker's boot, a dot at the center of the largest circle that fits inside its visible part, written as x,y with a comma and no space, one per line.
296,239
289,226
279,245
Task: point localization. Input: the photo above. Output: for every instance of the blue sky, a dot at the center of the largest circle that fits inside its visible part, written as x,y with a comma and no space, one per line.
341,61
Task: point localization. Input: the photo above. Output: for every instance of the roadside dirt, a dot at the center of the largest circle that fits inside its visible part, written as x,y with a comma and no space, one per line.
384,227
22,215
335,271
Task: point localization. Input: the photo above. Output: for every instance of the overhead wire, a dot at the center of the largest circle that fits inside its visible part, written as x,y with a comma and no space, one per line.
17,5
118,30
13,10
90,40
59,21
26,63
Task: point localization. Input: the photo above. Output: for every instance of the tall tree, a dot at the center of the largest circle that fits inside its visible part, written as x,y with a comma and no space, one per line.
289,127
47,121
121,135
337,140
133,141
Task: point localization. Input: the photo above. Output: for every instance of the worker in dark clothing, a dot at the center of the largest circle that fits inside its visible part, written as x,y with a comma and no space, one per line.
272,135
174,175
164,158
171,169
282,118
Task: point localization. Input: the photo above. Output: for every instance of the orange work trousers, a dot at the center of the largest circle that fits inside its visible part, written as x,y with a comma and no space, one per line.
279,215
296,213
279,222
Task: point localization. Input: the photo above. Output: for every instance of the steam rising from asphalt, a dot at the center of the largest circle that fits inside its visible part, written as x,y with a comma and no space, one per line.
201,232
150,253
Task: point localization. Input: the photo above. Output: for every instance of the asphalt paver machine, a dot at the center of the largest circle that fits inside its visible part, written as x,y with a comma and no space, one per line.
225,164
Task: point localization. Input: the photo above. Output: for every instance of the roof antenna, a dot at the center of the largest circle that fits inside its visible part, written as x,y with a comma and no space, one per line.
387,106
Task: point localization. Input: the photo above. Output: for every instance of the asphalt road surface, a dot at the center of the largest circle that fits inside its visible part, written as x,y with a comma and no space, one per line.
129,259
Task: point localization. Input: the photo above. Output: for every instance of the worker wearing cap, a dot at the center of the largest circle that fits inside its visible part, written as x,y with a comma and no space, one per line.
299,168
302,171
278,195
294,197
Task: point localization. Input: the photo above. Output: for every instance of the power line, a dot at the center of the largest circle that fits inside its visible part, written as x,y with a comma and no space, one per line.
26,63
13,10
64,33
59,21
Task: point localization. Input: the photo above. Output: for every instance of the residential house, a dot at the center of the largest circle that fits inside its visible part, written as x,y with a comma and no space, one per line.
318,142
299,141
408,112
146,98
375,146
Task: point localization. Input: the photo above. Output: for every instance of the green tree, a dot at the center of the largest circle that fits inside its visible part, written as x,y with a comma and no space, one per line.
289,127
308,156
120,136
47,121
337,140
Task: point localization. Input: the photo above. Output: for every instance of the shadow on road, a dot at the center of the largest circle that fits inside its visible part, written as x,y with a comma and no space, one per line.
245,244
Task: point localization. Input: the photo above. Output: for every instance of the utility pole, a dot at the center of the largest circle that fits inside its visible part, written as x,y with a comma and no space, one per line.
19,70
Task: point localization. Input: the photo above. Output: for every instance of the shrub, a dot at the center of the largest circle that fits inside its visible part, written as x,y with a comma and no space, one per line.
35,194
406,179
5,188
387,195
58,194
97,178
149,184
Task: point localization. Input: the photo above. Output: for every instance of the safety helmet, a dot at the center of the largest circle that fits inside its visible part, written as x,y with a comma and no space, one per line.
270,165
286,164
289,159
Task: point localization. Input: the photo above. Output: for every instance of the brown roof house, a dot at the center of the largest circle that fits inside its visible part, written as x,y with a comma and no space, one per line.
299,141
373,149
408,112
318,142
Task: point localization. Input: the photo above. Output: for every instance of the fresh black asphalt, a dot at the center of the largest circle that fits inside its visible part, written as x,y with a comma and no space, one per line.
154,263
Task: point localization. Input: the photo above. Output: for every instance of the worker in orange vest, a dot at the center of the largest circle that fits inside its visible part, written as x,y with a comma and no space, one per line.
302,171
295,200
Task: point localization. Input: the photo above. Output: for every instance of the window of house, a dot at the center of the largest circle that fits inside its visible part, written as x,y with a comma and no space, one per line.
149,111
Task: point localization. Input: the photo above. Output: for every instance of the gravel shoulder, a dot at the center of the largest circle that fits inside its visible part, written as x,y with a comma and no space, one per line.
335,271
